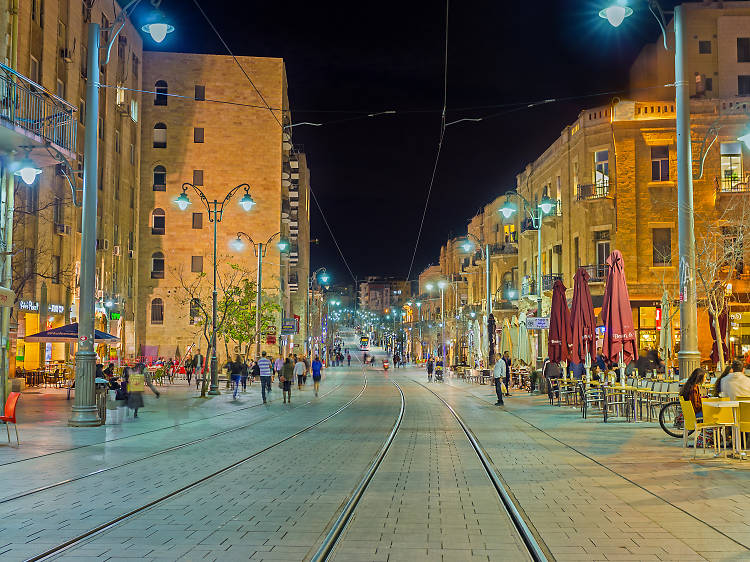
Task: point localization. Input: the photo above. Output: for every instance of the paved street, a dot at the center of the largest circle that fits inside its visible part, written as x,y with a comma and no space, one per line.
588,490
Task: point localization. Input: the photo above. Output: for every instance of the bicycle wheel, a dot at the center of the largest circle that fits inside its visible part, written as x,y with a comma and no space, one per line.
671,420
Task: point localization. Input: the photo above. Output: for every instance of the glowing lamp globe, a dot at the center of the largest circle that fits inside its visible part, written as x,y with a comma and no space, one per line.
508,208
157,28
27,171
616,13
442,284
182,201
467,246
546,205
282,245
237,244
247,202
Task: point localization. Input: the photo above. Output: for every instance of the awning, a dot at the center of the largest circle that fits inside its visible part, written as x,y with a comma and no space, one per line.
68,334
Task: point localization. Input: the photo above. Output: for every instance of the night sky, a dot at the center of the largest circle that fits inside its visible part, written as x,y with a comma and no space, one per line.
345,60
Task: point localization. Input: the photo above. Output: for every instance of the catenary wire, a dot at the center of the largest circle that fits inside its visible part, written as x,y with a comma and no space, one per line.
440,141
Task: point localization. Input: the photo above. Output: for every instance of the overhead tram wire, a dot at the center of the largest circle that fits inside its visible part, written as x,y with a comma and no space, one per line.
440,141
273,113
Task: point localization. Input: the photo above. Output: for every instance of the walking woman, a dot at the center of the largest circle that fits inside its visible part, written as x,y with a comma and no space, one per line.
243,376
287,376
135,385
316,368
235,373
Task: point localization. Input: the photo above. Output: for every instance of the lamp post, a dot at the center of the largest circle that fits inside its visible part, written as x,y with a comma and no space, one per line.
84,411
688,356
536,214
322,278
468,246
329,302
215,210
442,285
260,250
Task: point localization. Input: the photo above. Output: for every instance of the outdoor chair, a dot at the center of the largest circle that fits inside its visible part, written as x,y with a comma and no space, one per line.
9,415
590,396
618,401
743,419
717,419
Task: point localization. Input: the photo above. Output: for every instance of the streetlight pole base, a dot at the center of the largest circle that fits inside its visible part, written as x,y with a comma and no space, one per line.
84,412
213,389
687,362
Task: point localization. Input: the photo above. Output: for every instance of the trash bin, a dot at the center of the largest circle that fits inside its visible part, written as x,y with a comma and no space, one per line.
101,386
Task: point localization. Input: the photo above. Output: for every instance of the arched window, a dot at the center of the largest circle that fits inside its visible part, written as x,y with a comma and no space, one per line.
161,93
157,311
157,265
158,222
160,178
160,135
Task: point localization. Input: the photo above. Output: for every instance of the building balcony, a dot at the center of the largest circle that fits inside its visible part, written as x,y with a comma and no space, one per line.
527,225
592,191
732,184
549,280
32,116
597,272
503,249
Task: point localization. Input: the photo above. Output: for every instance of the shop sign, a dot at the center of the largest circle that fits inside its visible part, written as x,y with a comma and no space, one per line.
33,306
269,330
271,340
288,326
534,323
114,315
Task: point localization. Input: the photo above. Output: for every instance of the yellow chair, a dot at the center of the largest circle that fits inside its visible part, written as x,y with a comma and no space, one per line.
688,421
744,420
713,418
717,419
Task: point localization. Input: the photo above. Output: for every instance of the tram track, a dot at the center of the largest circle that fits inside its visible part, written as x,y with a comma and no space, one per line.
82,538
154,454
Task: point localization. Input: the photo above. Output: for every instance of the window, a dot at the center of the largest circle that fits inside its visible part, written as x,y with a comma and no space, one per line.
198,177
601,237
197,220
131,241
200,92
662,242
160,178
135,66
743,49
116,235
743,85
34,70
198,134
601,168
82,112
157,311
659,163
158,222
57,211
196,264
117,141
709,84
117,188
509,233
157,265
120,95
161,93
731,165
56,273
160,135
195,310
60,89
734,247
134,111
704,47
576,253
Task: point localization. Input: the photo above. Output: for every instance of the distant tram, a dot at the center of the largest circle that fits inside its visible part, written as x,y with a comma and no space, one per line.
364,343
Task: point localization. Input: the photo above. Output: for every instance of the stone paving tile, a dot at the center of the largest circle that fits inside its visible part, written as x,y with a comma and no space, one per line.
431,499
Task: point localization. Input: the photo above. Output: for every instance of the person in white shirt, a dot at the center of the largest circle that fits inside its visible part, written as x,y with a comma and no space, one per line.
299,371
735,383
499,376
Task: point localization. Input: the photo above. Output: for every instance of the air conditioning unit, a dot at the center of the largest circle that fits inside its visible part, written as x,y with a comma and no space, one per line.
102,244
66,54
116,250
62,229
131,254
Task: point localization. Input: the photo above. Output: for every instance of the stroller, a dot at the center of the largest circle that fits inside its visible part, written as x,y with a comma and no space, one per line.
438,374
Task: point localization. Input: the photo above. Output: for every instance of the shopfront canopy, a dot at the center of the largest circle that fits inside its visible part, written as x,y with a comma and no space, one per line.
68,334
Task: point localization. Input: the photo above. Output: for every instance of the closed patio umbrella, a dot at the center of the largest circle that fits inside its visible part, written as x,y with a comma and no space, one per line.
524,345
514,338
582,321
617,316
505,341
723,321
665,335
559,345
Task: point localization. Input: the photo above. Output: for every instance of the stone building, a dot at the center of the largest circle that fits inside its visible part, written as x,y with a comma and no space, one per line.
191,137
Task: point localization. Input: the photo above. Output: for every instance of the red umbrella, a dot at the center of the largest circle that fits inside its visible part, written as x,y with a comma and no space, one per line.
583,323
723,321
560,340
617,315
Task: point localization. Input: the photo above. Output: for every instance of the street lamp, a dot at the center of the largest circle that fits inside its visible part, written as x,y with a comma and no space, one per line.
468,246
260,250
688,356
442,284
215,210
27,170
545,207
322,278
84,411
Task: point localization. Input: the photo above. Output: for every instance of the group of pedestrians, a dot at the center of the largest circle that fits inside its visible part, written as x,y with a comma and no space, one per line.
130,387
501,377
287,370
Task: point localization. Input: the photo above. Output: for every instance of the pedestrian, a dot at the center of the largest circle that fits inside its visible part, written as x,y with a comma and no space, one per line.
506,359
134,385
430,369
254,371
299,372
499,375
198,361
243,376
287,376
147,378
265,368
110,370
348,359
235,374
277,365
316,367
189,368
307,369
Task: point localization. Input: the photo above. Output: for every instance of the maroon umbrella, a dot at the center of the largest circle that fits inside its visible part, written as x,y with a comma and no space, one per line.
582,321
723,321
617,315
560,340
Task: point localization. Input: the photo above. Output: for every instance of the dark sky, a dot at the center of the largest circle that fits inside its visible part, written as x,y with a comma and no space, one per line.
347,59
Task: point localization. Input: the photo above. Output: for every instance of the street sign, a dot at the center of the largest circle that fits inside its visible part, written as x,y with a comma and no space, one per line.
288,326
271,340
269,330
534,323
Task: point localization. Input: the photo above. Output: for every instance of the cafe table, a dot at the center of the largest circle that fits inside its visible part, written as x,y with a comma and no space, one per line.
735,405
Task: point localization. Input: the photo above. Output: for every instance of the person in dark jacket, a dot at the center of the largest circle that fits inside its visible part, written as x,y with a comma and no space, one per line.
235,373
287,376
506,359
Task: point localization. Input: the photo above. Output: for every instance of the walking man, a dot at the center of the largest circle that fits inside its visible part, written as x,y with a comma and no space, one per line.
506,359
278,364
265,367
348,359
499,376
299,371
198,367
316,367
430,369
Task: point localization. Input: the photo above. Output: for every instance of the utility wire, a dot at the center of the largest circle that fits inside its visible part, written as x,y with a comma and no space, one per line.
317,204
440,141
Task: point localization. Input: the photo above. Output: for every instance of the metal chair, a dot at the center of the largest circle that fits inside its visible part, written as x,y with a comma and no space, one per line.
10,414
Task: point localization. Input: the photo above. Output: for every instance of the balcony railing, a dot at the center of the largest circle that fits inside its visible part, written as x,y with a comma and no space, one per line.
549,280
732,184
597,272
503,249
526,225
599,190
26,104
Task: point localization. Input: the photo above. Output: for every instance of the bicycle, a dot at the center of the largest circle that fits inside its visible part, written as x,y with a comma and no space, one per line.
671,419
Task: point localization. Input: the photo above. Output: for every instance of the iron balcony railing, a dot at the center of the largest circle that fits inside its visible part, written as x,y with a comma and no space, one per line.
28,105
526,225
733,184
599,190
549,280
597,272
